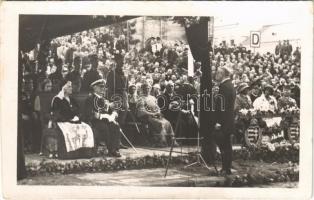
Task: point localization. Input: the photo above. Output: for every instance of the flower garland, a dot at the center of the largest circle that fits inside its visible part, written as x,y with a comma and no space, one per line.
249,179
253,113
272,152
291,112
101,165
46,167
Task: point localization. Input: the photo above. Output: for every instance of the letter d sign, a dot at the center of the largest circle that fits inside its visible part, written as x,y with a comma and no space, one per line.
255,37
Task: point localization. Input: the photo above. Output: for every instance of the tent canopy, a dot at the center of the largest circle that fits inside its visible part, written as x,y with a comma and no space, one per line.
36,28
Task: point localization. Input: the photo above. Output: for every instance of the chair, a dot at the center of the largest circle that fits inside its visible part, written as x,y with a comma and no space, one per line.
137,130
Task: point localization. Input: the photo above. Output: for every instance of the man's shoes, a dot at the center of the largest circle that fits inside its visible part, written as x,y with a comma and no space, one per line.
175,144
225,172
123,146
114,154
228,172
101,144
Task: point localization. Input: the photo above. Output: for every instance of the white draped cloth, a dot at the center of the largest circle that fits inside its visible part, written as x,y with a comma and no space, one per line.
76,136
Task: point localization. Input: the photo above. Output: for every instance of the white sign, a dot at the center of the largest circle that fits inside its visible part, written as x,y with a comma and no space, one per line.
255,39
190,64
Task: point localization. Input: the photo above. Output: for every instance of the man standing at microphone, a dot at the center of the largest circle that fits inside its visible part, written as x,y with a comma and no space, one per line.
224,116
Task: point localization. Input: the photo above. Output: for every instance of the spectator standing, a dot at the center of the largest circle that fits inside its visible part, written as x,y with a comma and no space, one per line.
75,75
278,48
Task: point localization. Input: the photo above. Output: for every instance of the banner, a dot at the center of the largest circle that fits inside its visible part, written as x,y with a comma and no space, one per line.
190,64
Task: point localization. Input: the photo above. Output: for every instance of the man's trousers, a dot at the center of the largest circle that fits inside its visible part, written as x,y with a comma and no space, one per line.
108,132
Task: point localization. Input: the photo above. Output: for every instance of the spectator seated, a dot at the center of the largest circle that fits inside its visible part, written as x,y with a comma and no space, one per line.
52,141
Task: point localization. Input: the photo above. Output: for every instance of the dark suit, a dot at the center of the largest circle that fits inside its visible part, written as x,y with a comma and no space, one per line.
224,115
102,128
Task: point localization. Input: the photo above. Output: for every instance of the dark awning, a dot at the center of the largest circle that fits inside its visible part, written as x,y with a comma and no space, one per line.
35,28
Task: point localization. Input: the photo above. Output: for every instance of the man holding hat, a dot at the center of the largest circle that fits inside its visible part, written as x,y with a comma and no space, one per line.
100,115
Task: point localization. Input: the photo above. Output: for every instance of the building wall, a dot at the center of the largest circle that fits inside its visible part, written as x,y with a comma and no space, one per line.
270,35
147,27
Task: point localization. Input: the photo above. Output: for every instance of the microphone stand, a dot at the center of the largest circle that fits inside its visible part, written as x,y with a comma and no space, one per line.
199,158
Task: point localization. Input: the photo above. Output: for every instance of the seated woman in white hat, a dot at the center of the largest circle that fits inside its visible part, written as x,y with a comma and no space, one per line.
149,112
75,138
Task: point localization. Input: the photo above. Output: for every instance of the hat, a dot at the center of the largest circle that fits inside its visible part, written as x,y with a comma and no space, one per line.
267,86
228,70
145,84
287,87
170,82
132,85
157,86
98,82
93,57
242,87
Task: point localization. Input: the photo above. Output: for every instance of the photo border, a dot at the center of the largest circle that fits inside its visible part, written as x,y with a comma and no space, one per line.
9,74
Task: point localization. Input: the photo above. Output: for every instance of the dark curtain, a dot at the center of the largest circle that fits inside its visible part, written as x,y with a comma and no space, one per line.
197,36
21,169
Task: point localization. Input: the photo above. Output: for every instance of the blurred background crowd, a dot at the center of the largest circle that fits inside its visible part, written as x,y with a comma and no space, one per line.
89,55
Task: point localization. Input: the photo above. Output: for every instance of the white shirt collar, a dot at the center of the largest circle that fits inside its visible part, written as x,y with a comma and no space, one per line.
97,95
224,80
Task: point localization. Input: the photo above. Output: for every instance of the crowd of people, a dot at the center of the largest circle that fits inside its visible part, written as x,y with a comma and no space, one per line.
268,82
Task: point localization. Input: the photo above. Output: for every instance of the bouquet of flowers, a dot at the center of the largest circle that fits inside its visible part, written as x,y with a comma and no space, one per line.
290,112
246,114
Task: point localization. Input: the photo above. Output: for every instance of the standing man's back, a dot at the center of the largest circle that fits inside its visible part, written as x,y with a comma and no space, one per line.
224,115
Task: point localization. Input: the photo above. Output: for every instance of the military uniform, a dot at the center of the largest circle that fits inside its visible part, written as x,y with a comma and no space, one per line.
95,108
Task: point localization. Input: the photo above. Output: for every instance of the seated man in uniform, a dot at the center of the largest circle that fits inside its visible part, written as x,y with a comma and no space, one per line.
99,114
